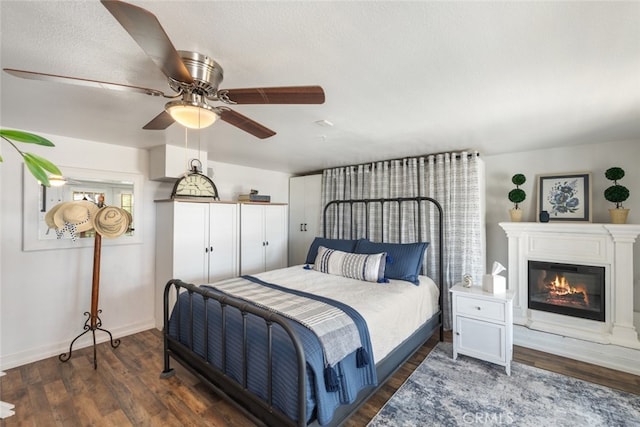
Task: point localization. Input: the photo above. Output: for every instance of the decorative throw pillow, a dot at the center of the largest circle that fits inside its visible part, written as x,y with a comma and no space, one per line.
403,259
365,267
339,244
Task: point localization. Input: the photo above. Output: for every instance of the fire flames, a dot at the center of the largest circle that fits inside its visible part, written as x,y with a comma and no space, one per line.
560,288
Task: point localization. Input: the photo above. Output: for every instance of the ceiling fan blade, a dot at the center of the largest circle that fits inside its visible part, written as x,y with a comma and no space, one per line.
146,30
273,95
245,123
159,122
81,82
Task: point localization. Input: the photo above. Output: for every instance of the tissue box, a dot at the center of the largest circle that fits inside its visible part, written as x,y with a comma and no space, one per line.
494,284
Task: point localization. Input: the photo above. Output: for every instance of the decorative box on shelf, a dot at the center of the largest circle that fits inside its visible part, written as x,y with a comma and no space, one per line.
253,196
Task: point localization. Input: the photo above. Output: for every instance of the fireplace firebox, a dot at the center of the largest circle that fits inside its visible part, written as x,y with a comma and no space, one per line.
569,289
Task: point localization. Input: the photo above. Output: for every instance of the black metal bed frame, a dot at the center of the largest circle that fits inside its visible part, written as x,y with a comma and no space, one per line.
259,410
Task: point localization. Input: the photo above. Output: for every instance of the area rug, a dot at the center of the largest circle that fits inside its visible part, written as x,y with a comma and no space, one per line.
470,392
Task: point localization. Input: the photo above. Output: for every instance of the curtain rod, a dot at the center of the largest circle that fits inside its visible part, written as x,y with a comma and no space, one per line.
457,156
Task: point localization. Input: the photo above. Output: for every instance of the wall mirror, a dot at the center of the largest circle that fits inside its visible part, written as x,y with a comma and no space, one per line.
118,189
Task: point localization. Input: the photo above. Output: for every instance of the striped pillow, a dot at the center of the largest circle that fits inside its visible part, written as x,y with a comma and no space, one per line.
365,267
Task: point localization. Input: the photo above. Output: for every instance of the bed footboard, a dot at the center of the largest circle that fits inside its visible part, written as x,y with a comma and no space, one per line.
194,352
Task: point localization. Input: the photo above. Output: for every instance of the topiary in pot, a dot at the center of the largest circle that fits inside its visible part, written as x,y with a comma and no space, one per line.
616,194
517,196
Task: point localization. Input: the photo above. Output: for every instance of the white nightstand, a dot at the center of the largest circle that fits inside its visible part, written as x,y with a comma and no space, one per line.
483,325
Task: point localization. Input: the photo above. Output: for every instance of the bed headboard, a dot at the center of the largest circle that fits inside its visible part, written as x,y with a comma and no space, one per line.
345,214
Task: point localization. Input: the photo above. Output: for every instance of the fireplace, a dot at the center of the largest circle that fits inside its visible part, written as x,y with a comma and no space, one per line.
569,289
613,342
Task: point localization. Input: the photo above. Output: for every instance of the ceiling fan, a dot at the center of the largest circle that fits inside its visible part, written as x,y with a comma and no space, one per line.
193,77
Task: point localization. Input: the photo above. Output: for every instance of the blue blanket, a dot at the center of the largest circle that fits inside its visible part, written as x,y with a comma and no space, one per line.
335,329
351,374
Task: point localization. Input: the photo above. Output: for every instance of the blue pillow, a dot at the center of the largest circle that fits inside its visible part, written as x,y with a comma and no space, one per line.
338,244
403,259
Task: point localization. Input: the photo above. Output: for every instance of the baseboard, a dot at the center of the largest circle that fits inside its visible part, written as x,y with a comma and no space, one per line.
607,355
33,355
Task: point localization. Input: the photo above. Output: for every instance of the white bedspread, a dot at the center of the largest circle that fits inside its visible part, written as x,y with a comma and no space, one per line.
393,311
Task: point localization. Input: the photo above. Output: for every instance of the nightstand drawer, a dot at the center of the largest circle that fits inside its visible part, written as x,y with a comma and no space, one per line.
478,308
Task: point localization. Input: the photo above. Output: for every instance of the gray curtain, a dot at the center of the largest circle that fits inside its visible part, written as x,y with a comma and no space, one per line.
453,179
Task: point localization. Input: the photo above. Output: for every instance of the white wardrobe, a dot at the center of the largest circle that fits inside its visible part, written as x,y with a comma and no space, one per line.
263,237
305,211
204,242
197,242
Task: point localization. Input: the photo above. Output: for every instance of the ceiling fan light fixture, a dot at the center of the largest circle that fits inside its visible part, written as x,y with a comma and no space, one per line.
193,115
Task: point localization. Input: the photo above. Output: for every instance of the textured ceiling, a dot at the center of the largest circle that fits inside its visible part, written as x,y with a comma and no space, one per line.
401,78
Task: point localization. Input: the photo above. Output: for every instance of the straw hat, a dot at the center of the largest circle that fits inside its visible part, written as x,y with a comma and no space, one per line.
111,221
48,217
74,217
79,213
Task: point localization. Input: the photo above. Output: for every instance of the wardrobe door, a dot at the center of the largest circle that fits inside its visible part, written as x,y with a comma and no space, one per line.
223,241
263,237
305,211
191,242
275,231
252,239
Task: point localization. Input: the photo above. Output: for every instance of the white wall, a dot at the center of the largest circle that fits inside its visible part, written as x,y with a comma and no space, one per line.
594,158
232,180
43,294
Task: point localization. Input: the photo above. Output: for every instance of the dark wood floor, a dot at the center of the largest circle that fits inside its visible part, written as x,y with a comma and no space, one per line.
126,389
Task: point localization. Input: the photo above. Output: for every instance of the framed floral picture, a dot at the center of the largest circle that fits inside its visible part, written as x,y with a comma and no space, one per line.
565,196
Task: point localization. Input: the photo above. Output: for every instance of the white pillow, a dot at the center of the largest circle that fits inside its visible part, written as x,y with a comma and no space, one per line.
367,267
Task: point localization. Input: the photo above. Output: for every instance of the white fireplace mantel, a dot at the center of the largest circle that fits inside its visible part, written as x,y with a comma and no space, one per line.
606,245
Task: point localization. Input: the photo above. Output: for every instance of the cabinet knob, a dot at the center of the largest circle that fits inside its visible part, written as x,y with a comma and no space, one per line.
478,308
301,227
305,227
457,333
211,248
267,243
206,249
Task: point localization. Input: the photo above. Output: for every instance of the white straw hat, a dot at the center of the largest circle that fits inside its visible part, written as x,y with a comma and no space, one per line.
111,221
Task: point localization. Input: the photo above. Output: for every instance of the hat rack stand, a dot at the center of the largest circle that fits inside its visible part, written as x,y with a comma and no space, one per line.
93,322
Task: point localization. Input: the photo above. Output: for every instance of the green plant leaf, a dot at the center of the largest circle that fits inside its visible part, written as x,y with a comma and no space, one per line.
36,170
1,159
615,173
616,194
518,179
43,163
517,195
26,137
